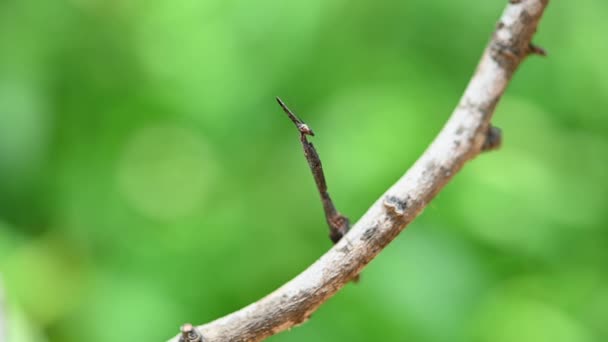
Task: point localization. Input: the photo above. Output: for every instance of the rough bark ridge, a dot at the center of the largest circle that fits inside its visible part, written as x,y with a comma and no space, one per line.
461,139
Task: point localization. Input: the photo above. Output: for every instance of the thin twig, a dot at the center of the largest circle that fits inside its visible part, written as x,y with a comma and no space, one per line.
460,140
338,223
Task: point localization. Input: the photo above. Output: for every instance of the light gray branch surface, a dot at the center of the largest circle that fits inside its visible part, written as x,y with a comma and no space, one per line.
460,140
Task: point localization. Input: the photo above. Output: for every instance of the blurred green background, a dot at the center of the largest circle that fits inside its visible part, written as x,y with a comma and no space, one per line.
148,178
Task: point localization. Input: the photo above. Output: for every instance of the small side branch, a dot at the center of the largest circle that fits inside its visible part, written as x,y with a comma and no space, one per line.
493,139
338,223
461,139
537,50
190,334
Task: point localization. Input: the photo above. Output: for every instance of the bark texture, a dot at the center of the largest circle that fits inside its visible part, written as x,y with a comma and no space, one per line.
461,139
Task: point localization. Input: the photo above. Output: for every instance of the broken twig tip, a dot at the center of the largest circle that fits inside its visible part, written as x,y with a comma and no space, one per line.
300,125
190,334
536,50
493,139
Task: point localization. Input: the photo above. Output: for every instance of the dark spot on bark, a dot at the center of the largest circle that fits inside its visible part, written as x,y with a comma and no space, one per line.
460,130
345,249
445,172
457,143
514,1
525,17
369,233
505,55
430,167
395,205
500,25
398,203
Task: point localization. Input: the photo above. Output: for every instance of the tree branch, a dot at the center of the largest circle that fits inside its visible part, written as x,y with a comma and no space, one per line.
462,138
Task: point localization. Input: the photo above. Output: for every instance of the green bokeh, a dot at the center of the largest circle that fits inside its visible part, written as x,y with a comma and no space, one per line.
148,178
